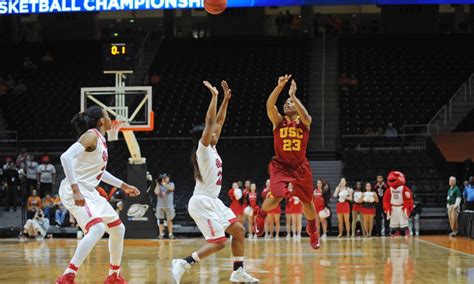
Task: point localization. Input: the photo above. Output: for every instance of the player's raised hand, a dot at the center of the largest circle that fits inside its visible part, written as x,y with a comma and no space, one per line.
130,190
227,91
211,88
293,89
283,80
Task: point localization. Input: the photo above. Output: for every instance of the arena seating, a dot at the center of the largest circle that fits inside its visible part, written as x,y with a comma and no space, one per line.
402,79
250,65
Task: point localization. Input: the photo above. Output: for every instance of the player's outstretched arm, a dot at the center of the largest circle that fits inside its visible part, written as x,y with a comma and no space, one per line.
272,110
210,116
302,111
130,190
221,115
87,142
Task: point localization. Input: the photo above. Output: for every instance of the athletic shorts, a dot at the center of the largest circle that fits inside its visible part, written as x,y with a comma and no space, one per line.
211,216
300,176
398,218
165,213
96,210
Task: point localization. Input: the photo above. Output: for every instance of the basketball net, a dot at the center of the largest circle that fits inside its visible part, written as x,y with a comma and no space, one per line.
112,134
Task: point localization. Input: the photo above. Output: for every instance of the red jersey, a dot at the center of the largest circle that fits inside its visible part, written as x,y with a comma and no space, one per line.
290,139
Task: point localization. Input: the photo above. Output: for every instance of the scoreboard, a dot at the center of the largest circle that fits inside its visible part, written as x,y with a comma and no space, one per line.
118,56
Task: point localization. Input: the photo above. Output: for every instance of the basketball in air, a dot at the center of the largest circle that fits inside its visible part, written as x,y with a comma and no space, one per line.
215,7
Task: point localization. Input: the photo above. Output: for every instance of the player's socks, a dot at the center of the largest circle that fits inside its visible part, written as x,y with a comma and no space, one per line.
193,258
311,226
238,262
116,236
114,269
262,213
71,268
312,231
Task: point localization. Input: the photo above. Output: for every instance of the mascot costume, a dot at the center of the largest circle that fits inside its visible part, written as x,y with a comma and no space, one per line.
398,203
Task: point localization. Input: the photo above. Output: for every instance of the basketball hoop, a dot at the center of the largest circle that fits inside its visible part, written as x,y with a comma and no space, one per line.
112,134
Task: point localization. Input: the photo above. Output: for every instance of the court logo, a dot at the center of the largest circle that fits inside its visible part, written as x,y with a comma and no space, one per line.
137,212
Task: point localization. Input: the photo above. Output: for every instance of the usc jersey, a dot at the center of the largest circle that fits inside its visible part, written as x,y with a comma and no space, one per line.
290,140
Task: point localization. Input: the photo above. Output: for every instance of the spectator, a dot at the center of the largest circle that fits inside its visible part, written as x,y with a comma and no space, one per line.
414,220
453,205
60,214
48,205
21,159
468,194
344,196
3,88
47,58
46,176
294,210
316,23
391,132
355,24
357,209
31,174
369,208
10,82
37,226
344,82
321,197
20,88
28,64
353,81
164,190
381,222
288,20
155,79
280,23
13,185
33,204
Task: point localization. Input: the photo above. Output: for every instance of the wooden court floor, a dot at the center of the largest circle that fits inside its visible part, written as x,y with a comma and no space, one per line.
376,260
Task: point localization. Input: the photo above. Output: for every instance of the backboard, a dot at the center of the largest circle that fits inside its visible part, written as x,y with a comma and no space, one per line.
133,105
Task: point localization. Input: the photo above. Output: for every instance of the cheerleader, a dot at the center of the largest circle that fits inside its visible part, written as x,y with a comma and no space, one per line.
273,218
252,209
294,215
236,202
343,208
321,198
368,208
357,209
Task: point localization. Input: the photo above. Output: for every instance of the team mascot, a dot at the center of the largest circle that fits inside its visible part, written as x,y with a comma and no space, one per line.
398,203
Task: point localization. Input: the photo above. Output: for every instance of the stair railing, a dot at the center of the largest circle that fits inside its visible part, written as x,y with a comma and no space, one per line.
446,111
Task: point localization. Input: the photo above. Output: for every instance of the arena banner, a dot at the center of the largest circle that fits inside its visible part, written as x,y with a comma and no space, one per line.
58,6
456,147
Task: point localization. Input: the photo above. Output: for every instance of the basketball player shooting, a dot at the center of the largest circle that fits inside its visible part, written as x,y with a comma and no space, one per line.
290,165
84,164
212,217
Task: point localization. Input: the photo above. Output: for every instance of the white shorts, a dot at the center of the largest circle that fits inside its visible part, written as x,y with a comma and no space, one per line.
96,210
211,216
398,218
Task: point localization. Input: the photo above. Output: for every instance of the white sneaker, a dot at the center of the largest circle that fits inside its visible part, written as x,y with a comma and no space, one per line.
324,237
178,267
241,275
250,237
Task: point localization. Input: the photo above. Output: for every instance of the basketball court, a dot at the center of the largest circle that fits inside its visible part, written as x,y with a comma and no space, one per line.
430,259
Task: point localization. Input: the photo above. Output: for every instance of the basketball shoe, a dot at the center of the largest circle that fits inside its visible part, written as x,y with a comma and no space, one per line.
178,267
115,279
67,278
240,275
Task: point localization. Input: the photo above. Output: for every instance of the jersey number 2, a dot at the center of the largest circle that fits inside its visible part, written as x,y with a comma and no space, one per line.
219,181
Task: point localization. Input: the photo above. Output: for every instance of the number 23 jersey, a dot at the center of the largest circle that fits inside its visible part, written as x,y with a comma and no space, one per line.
210,167
290,139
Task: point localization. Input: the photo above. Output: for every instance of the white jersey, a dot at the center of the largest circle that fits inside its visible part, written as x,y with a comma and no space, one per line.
397,196
90,166
210,167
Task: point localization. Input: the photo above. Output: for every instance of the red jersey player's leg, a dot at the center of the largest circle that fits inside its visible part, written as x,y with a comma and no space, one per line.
303,188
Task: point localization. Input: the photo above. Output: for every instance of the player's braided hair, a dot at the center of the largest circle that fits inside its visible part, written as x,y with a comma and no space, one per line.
87,119
196,135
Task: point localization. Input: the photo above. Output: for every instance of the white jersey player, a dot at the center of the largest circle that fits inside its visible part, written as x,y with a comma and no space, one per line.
212,217
84,164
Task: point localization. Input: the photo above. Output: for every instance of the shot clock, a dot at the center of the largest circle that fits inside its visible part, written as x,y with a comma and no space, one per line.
119,56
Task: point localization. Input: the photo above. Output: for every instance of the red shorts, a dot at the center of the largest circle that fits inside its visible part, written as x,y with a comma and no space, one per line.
343,208
357,207
368,211
295,209
318,205
300,176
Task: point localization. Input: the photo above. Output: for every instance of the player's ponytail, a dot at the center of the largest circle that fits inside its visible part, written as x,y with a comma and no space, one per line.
87,119
196,135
